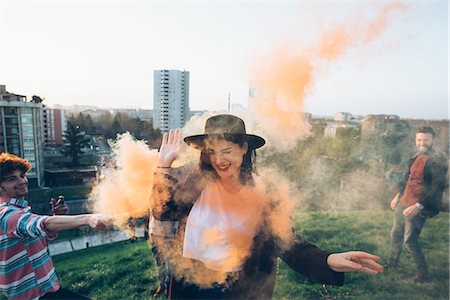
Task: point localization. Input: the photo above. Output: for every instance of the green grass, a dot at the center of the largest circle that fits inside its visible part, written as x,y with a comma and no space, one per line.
126,270
369,231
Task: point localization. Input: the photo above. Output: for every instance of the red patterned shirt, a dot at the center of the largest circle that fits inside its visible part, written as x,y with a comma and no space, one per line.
26,268
414,186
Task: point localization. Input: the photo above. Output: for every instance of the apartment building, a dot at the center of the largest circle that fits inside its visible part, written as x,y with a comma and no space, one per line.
21,131
171,99
55,123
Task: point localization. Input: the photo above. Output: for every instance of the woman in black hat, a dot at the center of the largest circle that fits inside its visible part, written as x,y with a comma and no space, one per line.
226,246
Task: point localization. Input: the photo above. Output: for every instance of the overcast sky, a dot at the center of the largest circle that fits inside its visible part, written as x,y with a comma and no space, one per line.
104,52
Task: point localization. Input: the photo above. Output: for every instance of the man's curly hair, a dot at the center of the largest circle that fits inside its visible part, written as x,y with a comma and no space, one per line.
9,163
426,129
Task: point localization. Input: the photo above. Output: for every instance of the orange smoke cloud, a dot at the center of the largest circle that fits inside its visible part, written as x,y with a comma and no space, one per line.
334,43
379,24
264,209
125,189
282,199
281,81
246,210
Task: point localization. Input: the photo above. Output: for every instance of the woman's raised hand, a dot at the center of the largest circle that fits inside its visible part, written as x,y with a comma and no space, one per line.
170,148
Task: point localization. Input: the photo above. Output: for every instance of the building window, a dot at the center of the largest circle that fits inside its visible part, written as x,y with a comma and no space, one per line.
26,110
10,111
27,120
27,131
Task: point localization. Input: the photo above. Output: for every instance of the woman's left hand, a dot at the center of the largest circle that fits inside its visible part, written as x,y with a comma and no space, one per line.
355,261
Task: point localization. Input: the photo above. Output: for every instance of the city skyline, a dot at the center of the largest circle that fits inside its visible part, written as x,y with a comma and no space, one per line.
105,53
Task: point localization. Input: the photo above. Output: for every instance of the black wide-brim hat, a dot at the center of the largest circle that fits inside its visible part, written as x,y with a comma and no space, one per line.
223,126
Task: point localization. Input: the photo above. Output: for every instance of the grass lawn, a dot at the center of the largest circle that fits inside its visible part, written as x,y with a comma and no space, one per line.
369,231
126,270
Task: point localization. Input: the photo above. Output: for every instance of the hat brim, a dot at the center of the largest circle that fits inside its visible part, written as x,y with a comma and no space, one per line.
198,141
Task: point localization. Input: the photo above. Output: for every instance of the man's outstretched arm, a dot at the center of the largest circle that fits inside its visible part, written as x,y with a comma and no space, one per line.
60,223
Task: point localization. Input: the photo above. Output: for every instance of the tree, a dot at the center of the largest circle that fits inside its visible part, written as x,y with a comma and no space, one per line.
36,99
317,164
85,121
116,126
89,125
109,126
76,140
104,124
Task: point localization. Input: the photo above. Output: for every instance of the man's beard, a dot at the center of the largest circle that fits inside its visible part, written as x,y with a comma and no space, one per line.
427,148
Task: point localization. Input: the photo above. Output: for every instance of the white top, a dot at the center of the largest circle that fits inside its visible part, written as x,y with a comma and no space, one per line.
221,226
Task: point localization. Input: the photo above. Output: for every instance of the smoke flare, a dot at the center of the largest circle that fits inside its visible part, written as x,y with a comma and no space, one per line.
282,80
125,189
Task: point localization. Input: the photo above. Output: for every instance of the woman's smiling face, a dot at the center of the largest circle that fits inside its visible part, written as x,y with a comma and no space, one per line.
226,157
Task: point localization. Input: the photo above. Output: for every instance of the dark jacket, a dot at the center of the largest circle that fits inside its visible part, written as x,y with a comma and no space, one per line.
434,175
257,279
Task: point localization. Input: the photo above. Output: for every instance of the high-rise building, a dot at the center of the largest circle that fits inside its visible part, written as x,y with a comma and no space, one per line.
21,131
55,124
171,99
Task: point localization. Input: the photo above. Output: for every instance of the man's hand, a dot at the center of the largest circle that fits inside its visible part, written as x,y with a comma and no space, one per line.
99,221
411,211
59,207
355,261
170,148
58,223
395,201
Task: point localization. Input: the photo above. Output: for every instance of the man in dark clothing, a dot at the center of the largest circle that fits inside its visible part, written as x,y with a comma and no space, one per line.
420,193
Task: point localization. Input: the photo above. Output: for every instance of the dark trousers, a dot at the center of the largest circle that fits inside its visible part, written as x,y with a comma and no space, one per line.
163,269
63,294
406,230
181,290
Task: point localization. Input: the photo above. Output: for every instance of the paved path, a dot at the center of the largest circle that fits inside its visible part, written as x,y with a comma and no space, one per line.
59,247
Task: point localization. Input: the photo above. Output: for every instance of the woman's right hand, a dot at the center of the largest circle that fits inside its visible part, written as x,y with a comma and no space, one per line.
170,148
355,261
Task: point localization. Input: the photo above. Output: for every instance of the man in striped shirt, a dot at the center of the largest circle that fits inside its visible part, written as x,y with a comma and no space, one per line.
26,268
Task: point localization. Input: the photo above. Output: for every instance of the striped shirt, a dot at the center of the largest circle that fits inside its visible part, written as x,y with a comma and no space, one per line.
26,268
